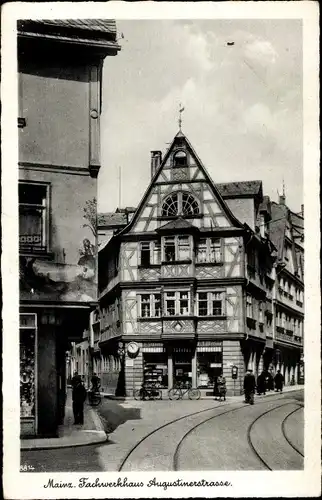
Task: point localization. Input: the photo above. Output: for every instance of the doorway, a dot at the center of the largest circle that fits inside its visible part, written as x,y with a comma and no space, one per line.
182,366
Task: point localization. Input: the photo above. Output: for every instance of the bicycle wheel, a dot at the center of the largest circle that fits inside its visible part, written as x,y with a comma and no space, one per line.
194,394
174,394
138,394
157,394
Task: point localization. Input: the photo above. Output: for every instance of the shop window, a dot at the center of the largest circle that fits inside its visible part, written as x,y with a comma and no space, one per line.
28,389
155,369
210,303
209,250
177,248
177,303
149,305
33,214
184,204
209,366
150,253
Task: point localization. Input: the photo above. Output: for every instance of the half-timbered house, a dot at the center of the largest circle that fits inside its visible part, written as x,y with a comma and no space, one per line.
183,286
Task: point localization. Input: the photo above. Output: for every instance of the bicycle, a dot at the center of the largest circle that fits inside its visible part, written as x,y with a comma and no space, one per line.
147,392
179,391
94,398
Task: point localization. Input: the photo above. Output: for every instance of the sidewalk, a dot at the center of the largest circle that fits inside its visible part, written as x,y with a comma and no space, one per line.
108,395
69,435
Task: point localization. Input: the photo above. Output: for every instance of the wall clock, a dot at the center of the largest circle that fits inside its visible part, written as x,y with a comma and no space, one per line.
133,349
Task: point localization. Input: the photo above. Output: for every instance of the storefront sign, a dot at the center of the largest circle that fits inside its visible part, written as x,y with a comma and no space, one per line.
129,362
215,365
209,346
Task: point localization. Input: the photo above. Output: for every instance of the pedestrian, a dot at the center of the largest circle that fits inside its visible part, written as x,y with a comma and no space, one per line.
221,384
249,387
261,383
215,387
96,383
78,396
75,378
279,381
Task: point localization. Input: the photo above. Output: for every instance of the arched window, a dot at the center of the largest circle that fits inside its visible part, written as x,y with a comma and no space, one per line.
180,204
180,159
189,205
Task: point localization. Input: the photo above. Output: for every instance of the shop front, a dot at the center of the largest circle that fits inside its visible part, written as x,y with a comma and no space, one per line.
185,363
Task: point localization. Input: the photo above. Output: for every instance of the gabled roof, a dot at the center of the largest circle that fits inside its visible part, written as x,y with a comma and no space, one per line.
277,226
240,189
179,223
179,138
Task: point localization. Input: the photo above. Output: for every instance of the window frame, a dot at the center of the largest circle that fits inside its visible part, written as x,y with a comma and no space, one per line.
177,302
179,213
249,305
210,303
152,304
208,247
176,154
176,238
46,243
152,249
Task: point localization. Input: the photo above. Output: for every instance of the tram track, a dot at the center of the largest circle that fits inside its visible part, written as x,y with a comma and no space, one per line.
285,433
126,459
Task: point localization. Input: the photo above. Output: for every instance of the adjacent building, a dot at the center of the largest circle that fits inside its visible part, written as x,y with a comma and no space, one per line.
60,77
187,282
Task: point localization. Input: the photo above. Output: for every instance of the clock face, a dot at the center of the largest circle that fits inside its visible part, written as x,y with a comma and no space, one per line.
132,349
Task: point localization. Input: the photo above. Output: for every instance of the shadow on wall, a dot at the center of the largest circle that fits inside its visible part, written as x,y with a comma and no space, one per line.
113,414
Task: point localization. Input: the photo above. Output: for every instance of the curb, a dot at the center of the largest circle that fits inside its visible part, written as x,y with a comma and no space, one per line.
98,437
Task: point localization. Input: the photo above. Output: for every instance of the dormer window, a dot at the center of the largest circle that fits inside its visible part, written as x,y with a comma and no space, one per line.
180,159
180,204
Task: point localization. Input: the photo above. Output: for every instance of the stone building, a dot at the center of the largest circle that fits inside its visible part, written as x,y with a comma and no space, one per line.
287,233
186,285
60,76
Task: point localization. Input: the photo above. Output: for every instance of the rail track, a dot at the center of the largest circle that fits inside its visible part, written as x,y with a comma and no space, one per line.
176,454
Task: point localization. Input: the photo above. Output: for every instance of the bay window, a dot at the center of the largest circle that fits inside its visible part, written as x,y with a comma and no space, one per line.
209,250
210,303
177,303
150,253
177,248
149,305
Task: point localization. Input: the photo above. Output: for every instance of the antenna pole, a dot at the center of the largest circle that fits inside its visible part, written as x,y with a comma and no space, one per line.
120,187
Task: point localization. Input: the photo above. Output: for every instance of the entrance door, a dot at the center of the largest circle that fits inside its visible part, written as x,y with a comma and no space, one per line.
182,366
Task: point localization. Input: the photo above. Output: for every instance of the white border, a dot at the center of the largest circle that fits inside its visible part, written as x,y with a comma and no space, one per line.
304,483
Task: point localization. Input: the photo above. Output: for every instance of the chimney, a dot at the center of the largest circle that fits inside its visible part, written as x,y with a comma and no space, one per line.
302,210
282,199
156,159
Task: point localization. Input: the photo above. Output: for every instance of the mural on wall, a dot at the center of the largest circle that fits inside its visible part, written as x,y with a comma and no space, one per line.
49,280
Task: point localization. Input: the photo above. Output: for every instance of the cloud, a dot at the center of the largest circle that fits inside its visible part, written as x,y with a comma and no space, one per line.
261,51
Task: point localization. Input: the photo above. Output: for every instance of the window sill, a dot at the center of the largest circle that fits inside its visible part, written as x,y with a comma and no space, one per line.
170,263
150,266
211,317
42,255
214,264
149,318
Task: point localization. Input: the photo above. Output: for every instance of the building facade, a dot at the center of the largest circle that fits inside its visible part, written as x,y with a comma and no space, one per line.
287,233
186,286
60,67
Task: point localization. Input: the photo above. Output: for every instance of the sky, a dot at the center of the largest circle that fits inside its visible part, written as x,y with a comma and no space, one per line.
243,103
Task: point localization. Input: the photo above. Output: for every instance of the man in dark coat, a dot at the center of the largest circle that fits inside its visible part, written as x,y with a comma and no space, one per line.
249,387
279,381
261,383
79,396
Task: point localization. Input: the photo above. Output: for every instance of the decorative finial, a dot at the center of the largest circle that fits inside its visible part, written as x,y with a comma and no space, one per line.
181,109
283,188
